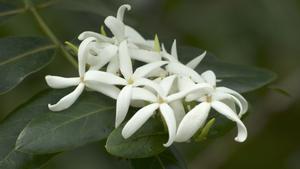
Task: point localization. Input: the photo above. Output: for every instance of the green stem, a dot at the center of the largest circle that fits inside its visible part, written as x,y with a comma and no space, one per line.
49,33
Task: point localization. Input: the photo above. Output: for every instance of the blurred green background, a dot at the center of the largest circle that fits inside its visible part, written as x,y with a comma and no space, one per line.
263,33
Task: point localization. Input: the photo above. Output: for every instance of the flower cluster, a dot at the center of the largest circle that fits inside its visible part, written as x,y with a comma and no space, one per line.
162,84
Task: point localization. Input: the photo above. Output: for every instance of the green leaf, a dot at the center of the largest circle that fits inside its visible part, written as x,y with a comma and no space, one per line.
169,159
20,57
146,142
11,127
90,119
7,10
241,78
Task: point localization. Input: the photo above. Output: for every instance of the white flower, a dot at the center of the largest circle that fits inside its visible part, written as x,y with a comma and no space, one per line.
62,82
220,99
130,80
162,102
138,47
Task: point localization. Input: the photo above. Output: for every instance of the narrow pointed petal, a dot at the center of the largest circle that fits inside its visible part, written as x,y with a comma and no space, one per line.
108,90
159,72
134,36
174,50
196,61
192,122
68,100
238,96
167,83
113,66
98,36
125,60
168,115
202,88
144,55
104,77
179,111
167,56
116,26
180,69
138,119
148,83
185,83
220,96
123,103
210,77
230,114
83,54
121,11
142,94
143,71
58,82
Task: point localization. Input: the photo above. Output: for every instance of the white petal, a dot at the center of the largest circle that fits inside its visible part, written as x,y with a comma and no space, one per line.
142,94
125,60
133,35
174,50
58,82
83,54
170,120
148,83
210,77
220,96
230,114
159,72
167,83
106,55
98,36
179,111
108,90
185,83
180,69
168,57
196,61
192,122
205,88
104,77
144,55
68,100
144,70
123,103
116,26
238,96
113,66
121,11
138,119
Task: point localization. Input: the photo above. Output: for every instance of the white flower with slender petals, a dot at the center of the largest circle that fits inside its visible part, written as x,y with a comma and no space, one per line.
62,82
216,99
130,80
162,102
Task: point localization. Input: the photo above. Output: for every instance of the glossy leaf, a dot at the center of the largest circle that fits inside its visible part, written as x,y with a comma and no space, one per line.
146,142
20,57
11,127
241,78
169,159
90,119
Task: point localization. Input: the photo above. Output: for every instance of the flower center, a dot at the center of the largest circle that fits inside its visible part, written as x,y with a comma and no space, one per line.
130,81
208,98
161,100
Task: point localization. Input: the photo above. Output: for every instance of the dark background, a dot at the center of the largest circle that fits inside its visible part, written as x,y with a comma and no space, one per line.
263,33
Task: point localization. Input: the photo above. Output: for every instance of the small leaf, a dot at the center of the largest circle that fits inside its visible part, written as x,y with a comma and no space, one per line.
90,119
241,78
147,142
280,91
102,31
20,57
169,159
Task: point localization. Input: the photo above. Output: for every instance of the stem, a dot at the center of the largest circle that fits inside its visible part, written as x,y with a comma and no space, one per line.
48,32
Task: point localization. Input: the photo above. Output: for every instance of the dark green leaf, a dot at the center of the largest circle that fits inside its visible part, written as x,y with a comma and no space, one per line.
11,127
90,119
7,10
169,159
241,78
147,142
20,57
